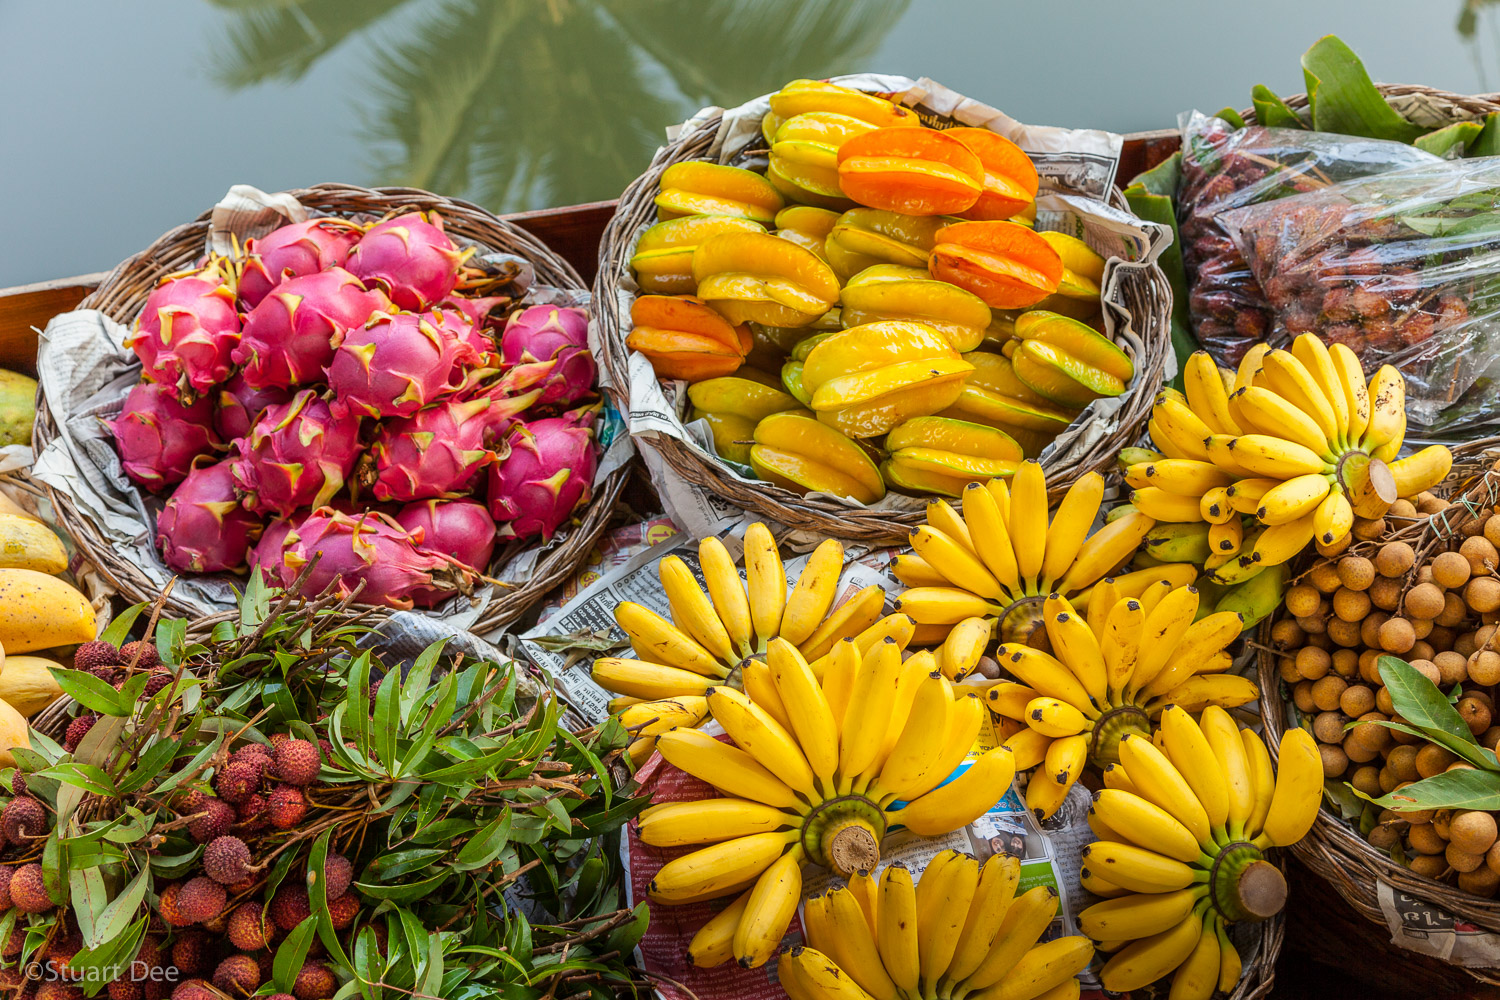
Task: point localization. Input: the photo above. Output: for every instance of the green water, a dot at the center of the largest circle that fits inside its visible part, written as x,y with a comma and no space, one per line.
122,118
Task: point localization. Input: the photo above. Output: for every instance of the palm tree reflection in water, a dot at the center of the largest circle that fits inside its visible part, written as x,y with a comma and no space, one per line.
520,104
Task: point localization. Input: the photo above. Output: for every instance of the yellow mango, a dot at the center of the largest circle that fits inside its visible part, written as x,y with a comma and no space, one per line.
696,187
739,396
890,291
38,611
806,456
26,543
752,277
803,96
943,455
14,732
806,150
27,684
663,260
865,237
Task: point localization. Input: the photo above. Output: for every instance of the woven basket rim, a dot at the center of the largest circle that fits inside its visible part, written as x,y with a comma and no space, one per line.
1473,105
122,293
1147,292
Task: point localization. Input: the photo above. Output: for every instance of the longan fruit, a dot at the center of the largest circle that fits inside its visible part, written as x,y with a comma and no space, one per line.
1356,700
1311,627
1394,558
1453,668
1484,667
1462,861
1385,593
1492,858
1320,638
1357,753
1412,817
1344,634
1382,837
1302,600
1331,550
1368,531
1335,762
1425,600
1324,577
1428,865
1454,610
1483,594
1421,628
1368,734
1369,629
1423,649
1479,882
1388,781
1465,644
1433,759
1345,662
1366,778
1356,572
1287,634
1492,530
1428,669
1475,713
1473,526
1326,692
1313,663
1424,839
1484,635
1490,738
1402,761
1397,636
1481,555
1402,508
1440,639
1424,574
1442,818
1383,703
1369,662
1450,570
1483,697
1427,503
1328,726
1351,605
1287,667
1473,831
1302,697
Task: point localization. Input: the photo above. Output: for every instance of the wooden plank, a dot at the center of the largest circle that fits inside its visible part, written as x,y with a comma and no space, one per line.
25,309
573,232
1144,150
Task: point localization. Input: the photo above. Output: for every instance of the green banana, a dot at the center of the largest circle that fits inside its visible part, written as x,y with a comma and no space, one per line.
1178,543
1257,597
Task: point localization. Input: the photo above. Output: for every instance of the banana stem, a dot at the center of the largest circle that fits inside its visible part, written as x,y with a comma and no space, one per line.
1205,860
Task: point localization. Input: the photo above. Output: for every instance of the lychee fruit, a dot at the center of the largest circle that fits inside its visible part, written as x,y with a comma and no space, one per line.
289,907
92,655
253,753
28,889
287,805
148,957
241,887
18,782
227,860
159,989
237,781
5,873
315,982
296,762
251,813
194,989
23,820
201,899
238,975
281,996
343,910
217,816
125,988
327,750
15,942
61,952
56,989
190,953
337,874
247,928
167,903
142,654
77,730
156,680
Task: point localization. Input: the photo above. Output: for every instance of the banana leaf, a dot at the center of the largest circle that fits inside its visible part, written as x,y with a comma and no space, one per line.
1443,141
1343,99
1151,195
1272,111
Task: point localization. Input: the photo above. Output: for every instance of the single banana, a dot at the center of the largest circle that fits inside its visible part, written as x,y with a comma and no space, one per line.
870,705
962,800
692,611
1024,922
1146,960
1189,751
914,571
704,821
1146,825
1102,600
1165,627
852,618
714,943
1262,780
1292,499
1311,351
1290,380
729,769
853,944
999,490
1045,967
1183,430
1138,915
1070,526
1179,542
1275,457
1197,693
755,676
1230,966
1073,643
657,640
1198,976
1160,783
650,681
765,580
813,595
1282,542
960,652
718,869
942,911
992,900
1045,674
1422,470
866,891
652,717
991,537
1028,747
839,678
1104,550
807,708
896,923
1334,517
1249,365
1299,790
727,591
956,562
1099,886
1157,503
1028,519
944,605
907,770
942,516
1136,868
773,903
1178,475
814,977
1225,539
1206,395
1223,736
1115,776
1122,644
1387,412
1356,392
1214,506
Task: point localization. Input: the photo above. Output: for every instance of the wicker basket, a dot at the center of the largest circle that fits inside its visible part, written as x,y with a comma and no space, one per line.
123,292
1333,849
1146,293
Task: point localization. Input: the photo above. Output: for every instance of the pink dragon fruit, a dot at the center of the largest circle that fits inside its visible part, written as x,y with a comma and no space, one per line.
239,405
368,549
288,339
546,470
411,258
187,330
460,530
269,553
294,251
547,346
397,364
298,454
158,436
438,451
478,315
203,528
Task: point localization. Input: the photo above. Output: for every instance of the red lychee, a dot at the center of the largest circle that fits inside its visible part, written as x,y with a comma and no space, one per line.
227,860
77,730
194,989
201,899
142,654
238,975
247,928
167,905
56,989
158,679
237,781
289,907
18,782
92,655
343,910
251,813
217,816
23,820
125,989
190,953
337,874
296,762
5,873
28,889
315,982
287,806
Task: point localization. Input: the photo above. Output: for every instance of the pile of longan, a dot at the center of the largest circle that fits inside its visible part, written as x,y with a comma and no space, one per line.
1442,617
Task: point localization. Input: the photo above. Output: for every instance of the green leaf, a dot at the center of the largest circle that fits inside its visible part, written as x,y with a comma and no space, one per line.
91,692
1271,111
432,982
625,937
398,863
171,636
1343,99
1231,116
386,726
1464,788
318,898
89,898
440,716
157,756
485,845
291,953
419,678
1488,142
1419,702
404,893
118,632
85,776
54,867
1443,141
117,915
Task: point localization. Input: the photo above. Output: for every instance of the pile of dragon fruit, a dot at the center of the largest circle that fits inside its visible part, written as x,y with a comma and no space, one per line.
333,391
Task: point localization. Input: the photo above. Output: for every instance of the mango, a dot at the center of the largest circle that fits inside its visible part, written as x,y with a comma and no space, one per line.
684,339
14,732
739,396
17,407
663,260
1010,179
806,150
806,456
26,543
911,171
38,611
864,237
27,683
756,278
867,379
1005,264
802,96
943,455
890,291
699,188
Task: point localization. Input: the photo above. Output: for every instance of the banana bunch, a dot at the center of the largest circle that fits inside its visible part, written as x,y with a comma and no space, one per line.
1296,439
1183,827
960,931
818,769
1001,558
1109,673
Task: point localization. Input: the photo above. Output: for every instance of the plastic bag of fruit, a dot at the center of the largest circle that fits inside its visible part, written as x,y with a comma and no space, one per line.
1224,168
1404,268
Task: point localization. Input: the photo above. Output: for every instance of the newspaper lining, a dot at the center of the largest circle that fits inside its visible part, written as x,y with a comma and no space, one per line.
1427,929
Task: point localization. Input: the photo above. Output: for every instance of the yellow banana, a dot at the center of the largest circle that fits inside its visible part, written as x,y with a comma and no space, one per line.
1189,751
714,943
1106,549
1070,526
1299,790
718,869
1288,379
756,677
773,903
704,821
1157,503
1028,518
813,595
1057,774
1184,432
1313,354
814,977
962,800
1159,782
1422,470
1282,542
1292,499
896,927
1244,495
900,628
1203,640
1230,966
866,891
727,591
992,900
1334,517
944,605
1197,693
870,706
955,562
652,717
1223,736
1356,392
942,516
1214,506
1054,718
1198,976
852,618
1275,457
1028,747
651,681
656,640
1024,922
692,611
1225,539
1146,825
754,730
960,652
1220,450
1138,915
1178,475
1205,393
914,571
1136,868
999,490
942,911
1387,413
1009,699
1045,674
1102,600
1249,365
1144,961
765,579
807,709
1099,886
853,945
908,768
1074,644
1262,780
1121,642
991,536
1068,989
1165,626
1045,967
839,677
1115,776
729,769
